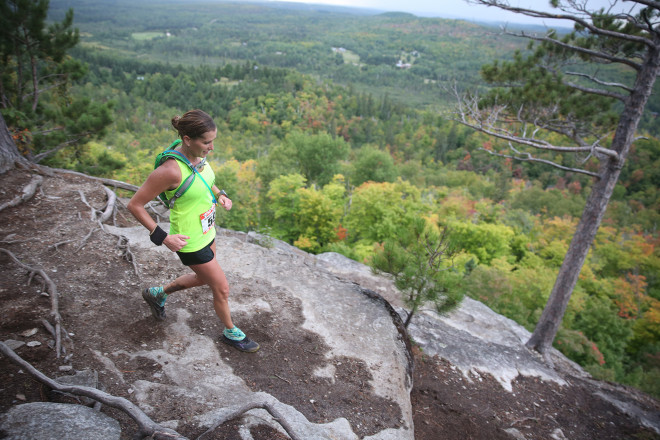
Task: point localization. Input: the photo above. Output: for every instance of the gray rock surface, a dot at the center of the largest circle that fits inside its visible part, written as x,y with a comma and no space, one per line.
476,340
328,302
57,421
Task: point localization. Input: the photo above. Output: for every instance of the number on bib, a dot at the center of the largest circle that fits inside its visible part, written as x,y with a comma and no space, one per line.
208,220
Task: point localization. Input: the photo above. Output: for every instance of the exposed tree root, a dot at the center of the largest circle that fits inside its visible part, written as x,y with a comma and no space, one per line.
28,192
125,248
100,217
111,182
147,427
260,400
51,288
110,206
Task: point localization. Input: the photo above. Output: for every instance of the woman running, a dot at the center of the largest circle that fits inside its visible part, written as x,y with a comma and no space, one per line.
192,221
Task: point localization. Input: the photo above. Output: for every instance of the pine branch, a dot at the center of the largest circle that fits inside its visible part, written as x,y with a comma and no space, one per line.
579,49
593,91
527,157
574,18
600,82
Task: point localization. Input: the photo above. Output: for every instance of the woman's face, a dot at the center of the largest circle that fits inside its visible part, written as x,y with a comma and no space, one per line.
203,145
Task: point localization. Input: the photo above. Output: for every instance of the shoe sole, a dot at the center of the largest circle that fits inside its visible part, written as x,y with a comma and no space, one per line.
236,345
153,305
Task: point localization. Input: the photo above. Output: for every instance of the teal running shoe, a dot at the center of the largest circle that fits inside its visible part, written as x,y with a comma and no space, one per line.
150,295
246,344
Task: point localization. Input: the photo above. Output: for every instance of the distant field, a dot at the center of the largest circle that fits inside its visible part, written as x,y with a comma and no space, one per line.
142,36
226,82
351,57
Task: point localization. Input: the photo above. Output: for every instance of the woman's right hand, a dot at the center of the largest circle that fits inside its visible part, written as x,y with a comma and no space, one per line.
176,242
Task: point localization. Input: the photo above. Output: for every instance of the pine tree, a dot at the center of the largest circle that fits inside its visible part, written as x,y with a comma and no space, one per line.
560,99
419,259
35,77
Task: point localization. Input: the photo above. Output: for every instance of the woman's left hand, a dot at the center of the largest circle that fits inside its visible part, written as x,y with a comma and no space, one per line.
225,202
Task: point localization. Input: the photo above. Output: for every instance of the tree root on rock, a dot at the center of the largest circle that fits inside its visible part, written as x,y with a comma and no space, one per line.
260,400
146,426
28,192
51,288
102,216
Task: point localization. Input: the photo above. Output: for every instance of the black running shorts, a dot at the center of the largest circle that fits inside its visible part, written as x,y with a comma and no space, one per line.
204,255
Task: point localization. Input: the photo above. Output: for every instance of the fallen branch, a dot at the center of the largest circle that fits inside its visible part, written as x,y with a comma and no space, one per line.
54,298
146,426
28,192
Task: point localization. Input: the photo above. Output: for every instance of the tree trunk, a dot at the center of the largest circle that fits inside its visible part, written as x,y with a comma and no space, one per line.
593,213
9,155
553,313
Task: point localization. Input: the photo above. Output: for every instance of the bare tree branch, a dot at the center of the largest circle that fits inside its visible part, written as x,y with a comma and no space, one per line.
105,181
527,157
44,154
582,50
471,116
593,91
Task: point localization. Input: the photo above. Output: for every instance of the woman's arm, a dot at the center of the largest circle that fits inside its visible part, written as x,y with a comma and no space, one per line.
165,177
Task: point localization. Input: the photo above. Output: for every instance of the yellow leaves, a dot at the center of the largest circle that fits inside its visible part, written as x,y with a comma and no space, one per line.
306,243
630,296
457,205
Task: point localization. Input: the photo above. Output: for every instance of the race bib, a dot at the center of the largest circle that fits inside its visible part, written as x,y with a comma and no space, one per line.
208,220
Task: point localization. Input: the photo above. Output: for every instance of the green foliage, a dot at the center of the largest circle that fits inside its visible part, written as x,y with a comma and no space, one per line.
35,76
372,164
419,259
284,201
96,160
318,155
607,331
485,241
317,219
548,202
381,210
239,182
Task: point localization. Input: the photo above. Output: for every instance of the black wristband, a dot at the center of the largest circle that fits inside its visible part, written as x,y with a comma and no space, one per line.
158,236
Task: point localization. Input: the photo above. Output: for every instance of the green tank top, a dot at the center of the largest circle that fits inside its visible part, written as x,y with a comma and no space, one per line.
193,214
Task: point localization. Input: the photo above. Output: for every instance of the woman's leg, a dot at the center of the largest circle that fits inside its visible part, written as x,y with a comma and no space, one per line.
183,282
212,275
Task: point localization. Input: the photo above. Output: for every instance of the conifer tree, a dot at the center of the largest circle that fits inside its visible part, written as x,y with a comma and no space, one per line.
33,65
573,102
419,259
